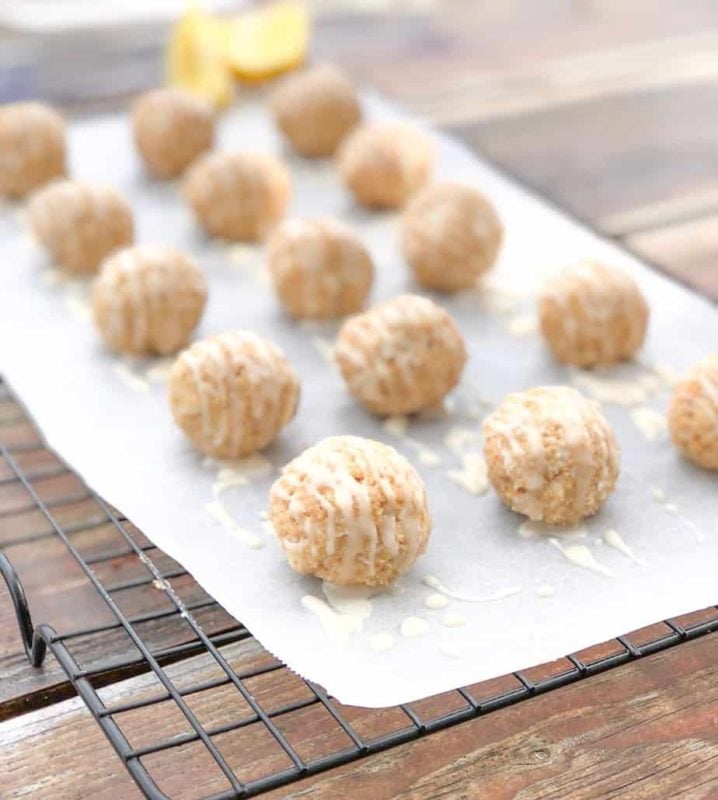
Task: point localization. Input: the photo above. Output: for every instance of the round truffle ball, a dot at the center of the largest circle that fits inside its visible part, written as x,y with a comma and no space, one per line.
316,109
693,414
172,128
401,356
591,314
238,196
81,223
450,236
384,163
551,454
351,511
320,268
32,147
148,300
232,394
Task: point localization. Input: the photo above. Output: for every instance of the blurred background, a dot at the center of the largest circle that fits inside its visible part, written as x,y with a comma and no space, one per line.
605,106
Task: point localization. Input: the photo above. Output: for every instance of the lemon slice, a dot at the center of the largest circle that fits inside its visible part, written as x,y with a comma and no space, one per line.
195,57
269,41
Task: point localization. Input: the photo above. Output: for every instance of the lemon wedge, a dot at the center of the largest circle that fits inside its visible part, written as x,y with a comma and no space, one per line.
195,58
264,43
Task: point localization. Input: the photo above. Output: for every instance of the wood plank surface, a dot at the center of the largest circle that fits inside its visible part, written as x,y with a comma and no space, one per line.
608,109
646,730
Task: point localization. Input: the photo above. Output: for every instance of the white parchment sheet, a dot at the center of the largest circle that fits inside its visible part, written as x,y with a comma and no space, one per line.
113,426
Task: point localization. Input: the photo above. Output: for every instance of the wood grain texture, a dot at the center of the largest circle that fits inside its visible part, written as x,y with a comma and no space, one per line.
645,730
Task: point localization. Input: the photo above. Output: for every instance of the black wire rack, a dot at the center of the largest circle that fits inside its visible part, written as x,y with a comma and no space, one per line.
284,728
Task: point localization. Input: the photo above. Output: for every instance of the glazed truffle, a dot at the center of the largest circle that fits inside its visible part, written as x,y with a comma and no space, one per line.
384,163
172,128
320,268
148,300
316,109
351,511
238,196
32,148
81,223
232,394
592,315
401,356
693,414
551,454
450,236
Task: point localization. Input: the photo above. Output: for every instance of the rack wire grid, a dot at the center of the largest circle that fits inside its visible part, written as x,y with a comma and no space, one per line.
176,684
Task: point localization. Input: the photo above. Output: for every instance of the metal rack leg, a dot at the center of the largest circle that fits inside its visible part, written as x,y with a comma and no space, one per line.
33,641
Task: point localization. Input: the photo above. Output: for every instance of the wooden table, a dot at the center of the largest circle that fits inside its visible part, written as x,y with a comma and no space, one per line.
607,108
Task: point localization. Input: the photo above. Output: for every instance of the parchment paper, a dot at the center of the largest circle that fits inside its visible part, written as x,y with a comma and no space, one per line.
118,434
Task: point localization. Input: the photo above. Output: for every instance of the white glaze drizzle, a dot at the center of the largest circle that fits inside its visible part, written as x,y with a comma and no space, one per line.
340,627
436,601
414,627
354,600
434,583
325,348
453,619
651,423
614,539
473,476
522,326
398,426
531,530
545,590
581,556
216,510
130,378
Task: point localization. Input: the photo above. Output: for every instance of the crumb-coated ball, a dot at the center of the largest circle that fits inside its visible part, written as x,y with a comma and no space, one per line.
351,511
172,128
551,454
232,394
32,147
591,314
450,236
320,268
384,163
693,414
148,300
401,356
238,196
81,223
316,109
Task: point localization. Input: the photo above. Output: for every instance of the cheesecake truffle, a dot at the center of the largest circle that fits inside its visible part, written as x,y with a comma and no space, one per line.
384,163
401,356
81,223
316,109
238,196
148,299
551,454
351,511
592,315
172,128
450,236
693,414
320,268
32,148
231,394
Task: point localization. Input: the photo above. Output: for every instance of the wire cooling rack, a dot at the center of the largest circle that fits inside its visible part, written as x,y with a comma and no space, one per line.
203,694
